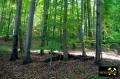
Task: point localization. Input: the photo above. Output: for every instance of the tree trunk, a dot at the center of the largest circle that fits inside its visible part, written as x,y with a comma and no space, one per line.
2,15
118,48
94,18
98,33
89,18
20,41
45,16
14,54
65,49
27,58
82,28
61,24
55,12
9,20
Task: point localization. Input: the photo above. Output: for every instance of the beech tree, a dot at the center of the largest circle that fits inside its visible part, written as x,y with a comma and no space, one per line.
45,20
65,49
14,54
98,33
2,14
82,27
27,58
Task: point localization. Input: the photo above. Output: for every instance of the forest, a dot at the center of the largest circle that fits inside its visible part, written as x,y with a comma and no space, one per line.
59,39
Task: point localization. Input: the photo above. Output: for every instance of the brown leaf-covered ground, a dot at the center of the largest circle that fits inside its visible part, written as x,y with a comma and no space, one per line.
71,69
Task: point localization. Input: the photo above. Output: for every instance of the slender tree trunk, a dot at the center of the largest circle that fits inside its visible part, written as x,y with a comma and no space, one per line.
54,21
85,19
2,14
55,12
54,26
27,58
89,22
82,28
89,18
49,22
94,18
46,8
61,24
78,19
98,33
9,20
73,13
14,54
65,49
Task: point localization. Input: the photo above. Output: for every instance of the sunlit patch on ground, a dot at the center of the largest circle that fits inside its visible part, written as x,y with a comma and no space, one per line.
106,55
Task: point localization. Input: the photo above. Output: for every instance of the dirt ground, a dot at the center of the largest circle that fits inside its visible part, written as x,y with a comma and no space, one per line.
72,69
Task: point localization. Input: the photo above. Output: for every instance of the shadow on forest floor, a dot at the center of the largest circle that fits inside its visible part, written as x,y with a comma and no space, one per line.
71,69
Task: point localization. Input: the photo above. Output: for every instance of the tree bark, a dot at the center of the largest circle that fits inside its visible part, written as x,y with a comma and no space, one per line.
2,14
61,24
27,58
20,41
65,49
82,28
14,54
89,18
98,33
45,16
55,12
94,18
9,19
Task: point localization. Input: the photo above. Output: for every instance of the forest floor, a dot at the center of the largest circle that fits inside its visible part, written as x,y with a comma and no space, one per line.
71,69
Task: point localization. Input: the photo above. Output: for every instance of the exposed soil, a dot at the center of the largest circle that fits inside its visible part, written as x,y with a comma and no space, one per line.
72,69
